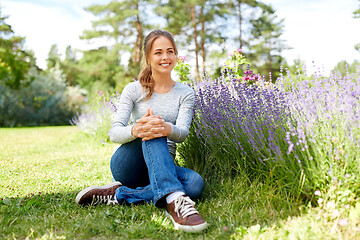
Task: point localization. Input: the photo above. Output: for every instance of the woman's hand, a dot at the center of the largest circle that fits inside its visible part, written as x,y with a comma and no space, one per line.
151,126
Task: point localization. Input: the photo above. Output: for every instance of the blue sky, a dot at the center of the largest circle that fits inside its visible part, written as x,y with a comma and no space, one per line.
318,30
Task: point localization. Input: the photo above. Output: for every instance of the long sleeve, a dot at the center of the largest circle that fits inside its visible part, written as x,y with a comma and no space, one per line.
120,131
180,129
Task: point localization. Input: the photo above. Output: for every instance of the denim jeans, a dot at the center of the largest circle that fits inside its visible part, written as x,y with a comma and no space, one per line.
148,173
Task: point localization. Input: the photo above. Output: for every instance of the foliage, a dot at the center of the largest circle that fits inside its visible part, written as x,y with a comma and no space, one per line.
53,57
183,70
234,66
345,68
267,44
14,60
46,101
119,21
100,66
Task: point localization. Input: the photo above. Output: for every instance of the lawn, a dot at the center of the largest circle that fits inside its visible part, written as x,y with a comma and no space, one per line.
42,169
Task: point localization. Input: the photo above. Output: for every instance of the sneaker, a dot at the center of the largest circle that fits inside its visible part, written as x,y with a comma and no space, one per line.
184,215
98,194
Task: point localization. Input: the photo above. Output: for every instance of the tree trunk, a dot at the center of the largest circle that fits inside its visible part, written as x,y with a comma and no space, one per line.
240,24
137,46
197,77
203,37
269,58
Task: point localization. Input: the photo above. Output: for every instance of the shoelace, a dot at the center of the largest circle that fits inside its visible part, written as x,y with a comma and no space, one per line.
185,206
109,199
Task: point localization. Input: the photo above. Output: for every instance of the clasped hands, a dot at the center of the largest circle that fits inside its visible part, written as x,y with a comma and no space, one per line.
151,126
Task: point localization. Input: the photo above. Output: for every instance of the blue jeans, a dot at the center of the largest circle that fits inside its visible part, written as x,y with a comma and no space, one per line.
148,173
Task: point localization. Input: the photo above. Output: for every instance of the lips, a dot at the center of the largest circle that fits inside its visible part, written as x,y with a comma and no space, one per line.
165,64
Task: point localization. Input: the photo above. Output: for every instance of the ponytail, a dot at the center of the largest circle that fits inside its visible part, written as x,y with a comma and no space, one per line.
146,80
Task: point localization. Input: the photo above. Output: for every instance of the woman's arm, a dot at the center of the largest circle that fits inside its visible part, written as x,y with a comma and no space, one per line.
120,131
180,129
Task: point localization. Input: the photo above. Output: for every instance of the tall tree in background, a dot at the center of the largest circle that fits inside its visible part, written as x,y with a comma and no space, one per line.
99,70
181,20
121,22
69,66
195,21
14,60
267,45
53,57
238,7
357,15
211,16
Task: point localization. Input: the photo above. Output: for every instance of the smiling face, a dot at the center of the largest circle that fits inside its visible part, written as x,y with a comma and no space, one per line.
162,56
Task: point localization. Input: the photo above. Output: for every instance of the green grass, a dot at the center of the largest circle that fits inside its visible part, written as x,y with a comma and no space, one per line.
42,170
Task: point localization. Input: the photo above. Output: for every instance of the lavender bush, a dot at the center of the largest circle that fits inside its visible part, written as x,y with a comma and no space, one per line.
304,135
325,132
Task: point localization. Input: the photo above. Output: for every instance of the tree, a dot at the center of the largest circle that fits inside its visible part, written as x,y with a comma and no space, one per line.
211,14
123,23
14,60
70,67
238,8
53,57
99,68
194,21
120,21
345,68
357,15
267,45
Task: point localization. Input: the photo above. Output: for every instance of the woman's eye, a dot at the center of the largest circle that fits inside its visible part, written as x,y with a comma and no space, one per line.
157,53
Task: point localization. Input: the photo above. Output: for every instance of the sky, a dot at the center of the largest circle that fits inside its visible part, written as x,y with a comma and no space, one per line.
320,31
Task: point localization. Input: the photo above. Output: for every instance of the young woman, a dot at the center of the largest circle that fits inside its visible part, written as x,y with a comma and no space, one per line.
143,165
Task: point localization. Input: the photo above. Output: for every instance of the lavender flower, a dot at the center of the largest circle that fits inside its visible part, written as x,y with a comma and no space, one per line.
288,127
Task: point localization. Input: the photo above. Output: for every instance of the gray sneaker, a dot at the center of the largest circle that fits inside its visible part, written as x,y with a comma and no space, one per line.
98,194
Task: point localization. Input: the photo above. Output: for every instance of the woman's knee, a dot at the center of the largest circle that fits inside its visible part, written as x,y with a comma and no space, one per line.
127,165
195,185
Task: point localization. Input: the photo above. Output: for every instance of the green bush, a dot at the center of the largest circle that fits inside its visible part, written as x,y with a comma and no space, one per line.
45,101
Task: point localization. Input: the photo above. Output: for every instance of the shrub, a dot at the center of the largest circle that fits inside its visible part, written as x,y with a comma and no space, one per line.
46,101
304,136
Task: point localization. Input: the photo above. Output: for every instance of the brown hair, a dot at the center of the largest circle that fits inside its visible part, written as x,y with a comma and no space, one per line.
145,76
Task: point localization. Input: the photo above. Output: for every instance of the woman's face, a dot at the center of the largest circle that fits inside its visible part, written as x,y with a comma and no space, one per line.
162,58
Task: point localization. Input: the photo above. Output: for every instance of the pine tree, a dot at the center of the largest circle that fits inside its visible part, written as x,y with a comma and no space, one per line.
123,23
195,23
267,45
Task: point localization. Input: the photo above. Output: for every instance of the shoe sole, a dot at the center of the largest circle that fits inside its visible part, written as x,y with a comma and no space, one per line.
84,191
186,228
